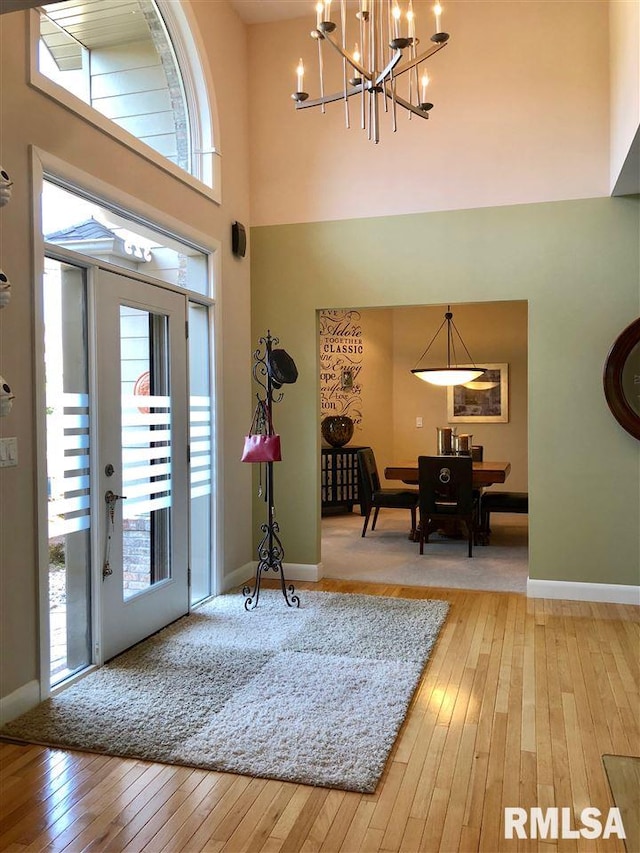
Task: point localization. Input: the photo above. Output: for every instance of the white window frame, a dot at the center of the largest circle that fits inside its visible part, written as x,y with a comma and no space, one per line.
199,92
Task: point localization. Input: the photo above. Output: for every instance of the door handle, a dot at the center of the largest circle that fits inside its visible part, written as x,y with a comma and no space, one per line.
110,499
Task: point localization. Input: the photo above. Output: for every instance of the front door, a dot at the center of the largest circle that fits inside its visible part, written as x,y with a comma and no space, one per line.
142,458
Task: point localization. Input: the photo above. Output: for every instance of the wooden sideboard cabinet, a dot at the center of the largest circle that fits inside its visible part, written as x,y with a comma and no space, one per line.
339,477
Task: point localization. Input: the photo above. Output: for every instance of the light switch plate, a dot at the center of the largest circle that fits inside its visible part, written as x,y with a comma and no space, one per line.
418,422
8,452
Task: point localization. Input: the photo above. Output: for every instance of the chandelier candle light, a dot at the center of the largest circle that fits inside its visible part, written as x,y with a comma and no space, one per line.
385,28
452,374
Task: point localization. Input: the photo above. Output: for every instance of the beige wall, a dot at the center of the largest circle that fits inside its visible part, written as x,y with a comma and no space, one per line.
624,43
377,384
521,115
30,119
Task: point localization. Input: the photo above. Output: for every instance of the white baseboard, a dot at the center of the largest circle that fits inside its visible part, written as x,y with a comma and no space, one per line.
21,700
292,572
303,571
612,593
238,577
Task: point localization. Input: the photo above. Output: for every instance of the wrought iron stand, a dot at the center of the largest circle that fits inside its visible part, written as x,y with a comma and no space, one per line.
270,549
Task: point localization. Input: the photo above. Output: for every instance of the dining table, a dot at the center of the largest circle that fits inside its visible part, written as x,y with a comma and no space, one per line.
484,473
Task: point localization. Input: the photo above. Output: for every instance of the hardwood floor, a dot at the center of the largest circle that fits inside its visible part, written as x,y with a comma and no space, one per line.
517,705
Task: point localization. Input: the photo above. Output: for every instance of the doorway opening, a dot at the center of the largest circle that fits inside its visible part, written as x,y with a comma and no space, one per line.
398,415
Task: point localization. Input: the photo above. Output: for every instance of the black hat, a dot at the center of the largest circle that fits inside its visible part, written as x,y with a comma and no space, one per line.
282,368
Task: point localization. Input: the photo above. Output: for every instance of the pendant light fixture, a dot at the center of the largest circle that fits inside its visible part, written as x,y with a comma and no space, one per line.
480,385
452,374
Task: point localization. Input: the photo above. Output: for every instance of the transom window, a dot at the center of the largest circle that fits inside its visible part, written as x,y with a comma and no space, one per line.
82,225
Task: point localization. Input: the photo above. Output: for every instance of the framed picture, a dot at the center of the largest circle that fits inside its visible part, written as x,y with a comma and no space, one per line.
484,400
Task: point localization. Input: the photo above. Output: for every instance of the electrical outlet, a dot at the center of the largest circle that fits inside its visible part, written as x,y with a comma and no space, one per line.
8,452
418,422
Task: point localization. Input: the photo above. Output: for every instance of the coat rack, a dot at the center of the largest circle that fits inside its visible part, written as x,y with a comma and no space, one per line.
270,549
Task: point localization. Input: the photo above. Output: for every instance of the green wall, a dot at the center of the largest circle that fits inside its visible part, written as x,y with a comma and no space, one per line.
577,263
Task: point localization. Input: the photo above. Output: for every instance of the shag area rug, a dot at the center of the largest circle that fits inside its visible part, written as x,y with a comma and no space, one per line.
314,695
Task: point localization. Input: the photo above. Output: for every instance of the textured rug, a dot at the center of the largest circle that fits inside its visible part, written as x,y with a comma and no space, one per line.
314,695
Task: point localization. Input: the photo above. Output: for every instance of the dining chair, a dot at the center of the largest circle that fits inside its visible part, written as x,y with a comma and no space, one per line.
373,497
446,494
517,502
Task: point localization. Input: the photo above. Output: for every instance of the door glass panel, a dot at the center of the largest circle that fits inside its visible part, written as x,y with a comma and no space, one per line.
200,428
146,449
68,487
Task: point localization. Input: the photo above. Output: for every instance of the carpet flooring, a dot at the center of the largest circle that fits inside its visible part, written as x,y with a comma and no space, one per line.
314,695
386,555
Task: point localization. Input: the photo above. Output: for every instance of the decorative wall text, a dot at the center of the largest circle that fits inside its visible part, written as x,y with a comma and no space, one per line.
341,358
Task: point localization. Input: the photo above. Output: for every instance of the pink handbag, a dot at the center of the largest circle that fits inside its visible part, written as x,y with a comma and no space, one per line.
261,446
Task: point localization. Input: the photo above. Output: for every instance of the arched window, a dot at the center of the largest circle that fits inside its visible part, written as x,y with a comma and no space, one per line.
135,63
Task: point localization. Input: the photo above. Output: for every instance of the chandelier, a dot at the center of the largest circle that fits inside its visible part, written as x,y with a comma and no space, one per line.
384,29
453,373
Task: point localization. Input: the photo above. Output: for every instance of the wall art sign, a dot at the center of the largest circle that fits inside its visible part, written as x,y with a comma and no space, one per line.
484,400
341,359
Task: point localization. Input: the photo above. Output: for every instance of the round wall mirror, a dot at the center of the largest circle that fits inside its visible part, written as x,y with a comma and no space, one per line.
622,379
